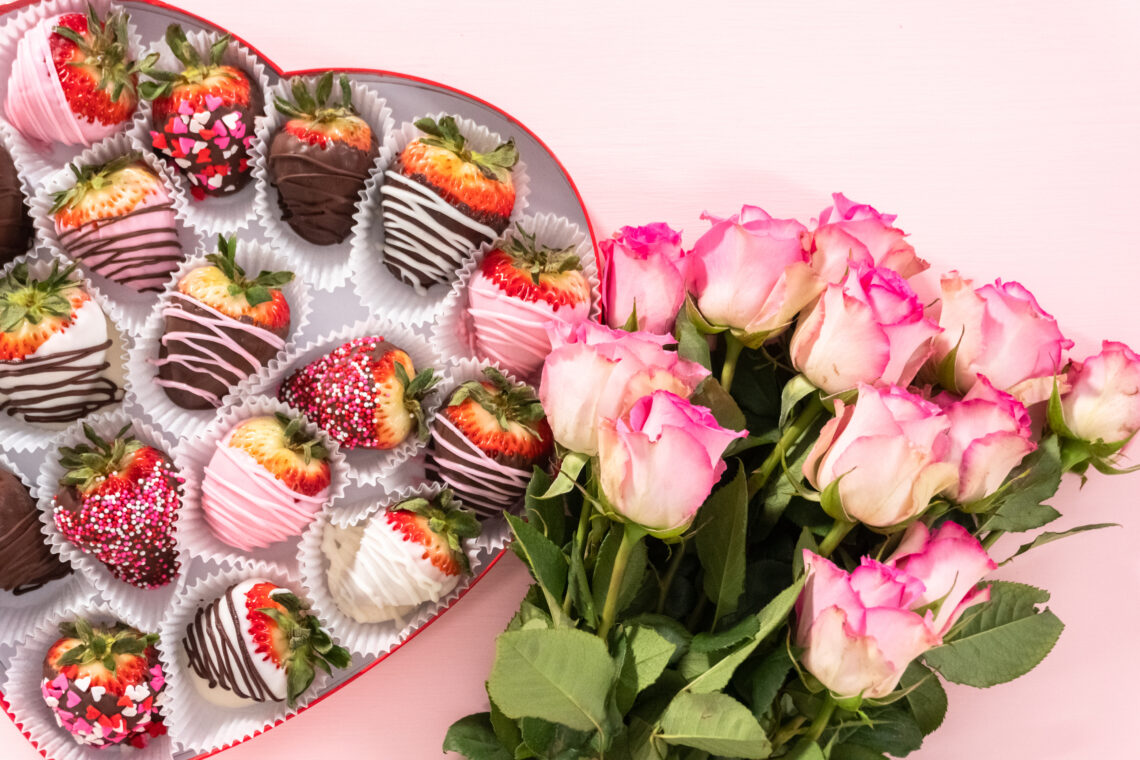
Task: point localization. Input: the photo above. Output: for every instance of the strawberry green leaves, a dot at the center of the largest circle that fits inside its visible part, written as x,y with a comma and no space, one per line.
445,134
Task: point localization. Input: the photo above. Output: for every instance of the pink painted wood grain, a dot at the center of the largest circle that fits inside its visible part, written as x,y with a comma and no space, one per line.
1004,135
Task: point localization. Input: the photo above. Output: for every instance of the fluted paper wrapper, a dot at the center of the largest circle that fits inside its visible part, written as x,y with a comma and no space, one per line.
325,266
147,397
20,614
35,718
230,212
195,723
36,159
144,605
131,305
452,332
193,455
375,285
372,639
364,465
16,433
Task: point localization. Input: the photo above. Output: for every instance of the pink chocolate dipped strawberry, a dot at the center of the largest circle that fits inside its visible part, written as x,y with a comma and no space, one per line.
73,80
118,501
203,116
117,220
364,394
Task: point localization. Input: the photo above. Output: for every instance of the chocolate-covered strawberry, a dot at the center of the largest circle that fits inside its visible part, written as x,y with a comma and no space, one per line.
203,116
319,160
15,224
219,326
118,221
102,684
73,80
442,201
26,559
486,442
118,501
258,642
365,394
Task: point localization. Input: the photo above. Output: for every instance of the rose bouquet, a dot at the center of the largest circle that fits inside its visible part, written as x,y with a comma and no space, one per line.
785,460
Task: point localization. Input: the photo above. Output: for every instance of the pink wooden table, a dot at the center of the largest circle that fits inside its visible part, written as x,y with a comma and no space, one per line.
1007,140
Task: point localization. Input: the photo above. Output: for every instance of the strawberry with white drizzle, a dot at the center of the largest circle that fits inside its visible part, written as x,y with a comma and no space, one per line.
266,481
385,566
520,286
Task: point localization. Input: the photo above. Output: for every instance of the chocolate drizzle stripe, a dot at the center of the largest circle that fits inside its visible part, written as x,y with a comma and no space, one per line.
222,660
25,554
111,257
487,486
81,391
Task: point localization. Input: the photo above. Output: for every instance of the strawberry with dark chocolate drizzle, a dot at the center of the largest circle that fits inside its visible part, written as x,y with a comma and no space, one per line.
319,160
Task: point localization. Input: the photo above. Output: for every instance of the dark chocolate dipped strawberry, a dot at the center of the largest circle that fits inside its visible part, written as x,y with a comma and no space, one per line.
26,560
117,220
319,160
118,501
486,442
220,326
15,224
203,116
365,394
442,201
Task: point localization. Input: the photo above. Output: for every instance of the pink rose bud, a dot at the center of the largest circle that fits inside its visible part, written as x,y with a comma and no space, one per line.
643,269
868,328
660,461
1001,332
990,433
889,451
595,372
750,272
1103,404
856,234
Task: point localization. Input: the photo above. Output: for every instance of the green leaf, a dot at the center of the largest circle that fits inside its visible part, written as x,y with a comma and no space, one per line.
1004,640
634,570
572,465
669,629
646,658
715,723
720,402
855,752
506,730
548,515
474,738
631,321
796,389
764,679
806,541
698,320
546,561
711,642
926,698
691,343
552,740
560,675
1020,499
894,731
721,539
806,751
1049,537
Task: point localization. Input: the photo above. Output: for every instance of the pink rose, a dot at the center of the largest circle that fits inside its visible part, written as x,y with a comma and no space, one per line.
869,328
856,234
750,272
890,449
661,460
595,372
990,433
1103,404
1000,332
643,268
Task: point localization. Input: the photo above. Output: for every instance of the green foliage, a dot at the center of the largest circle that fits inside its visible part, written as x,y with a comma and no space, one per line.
721,537
715,723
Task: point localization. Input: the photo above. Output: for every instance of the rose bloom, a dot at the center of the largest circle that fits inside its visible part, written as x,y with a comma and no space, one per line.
990,433
595,372
1001,332
868,328
889,451
659,462
860,630
643,269
1103,403
750,272
852,233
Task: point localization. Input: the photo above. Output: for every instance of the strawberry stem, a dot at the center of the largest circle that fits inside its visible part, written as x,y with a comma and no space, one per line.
447,519
102,644
86,465
505,401
445,134
24,299
257,290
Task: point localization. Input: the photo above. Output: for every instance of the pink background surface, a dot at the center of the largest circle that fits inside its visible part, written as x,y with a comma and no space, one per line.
1005,138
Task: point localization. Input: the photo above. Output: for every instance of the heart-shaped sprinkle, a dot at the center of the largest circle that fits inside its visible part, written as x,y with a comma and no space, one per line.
213,102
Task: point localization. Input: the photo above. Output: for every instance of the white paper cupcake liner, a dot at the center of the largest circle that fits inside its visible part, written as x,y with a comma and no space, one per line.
452,332
144,605
231,212
195,723
364,465
35,718
132,305
36,159
193,454
20,435
375,285
147,397
21,613
325,266
372,639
